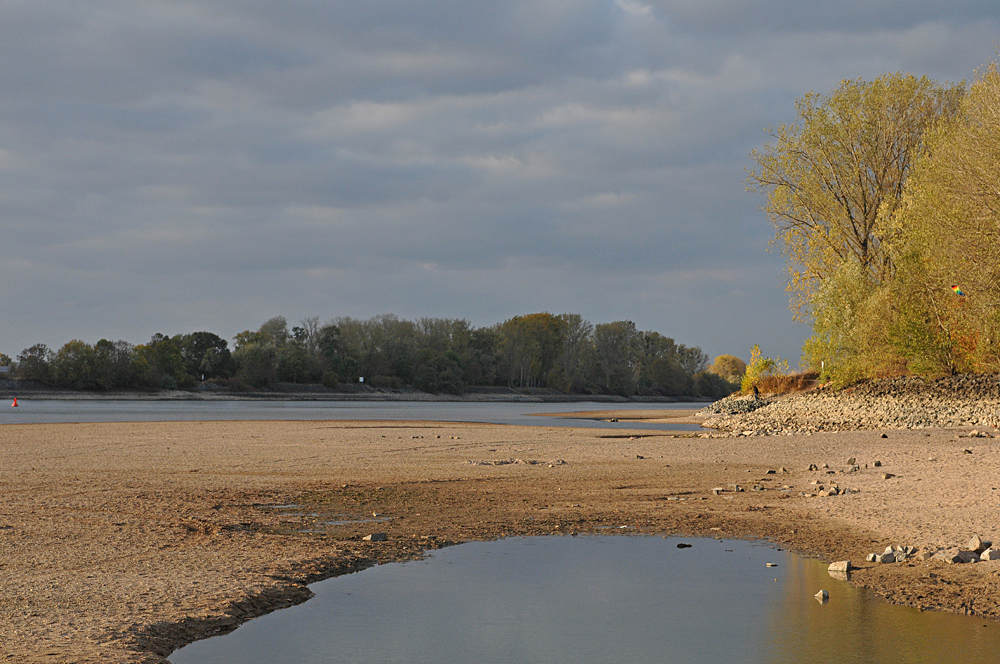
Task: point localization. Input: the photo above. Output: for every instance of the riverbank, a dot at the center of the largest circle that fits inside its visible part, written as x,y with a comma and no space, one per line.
122,542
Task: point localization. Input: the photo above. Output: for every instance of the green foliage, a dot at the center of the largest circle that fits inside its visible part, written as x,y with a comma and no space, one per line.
729,367
948,235
761,367
712,385
33,363
330,379
257,364
834,179
439,355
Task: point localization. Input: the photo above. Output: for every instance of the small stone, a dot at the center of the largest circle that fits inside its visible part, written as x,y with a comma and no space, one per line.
887,476
851,461
825,466
990,554
783,470
772,564
823,596
949,556
684,545
770,472
925,555
967,451
871,557
812,466
885,435
878,464
717,490
840,566
977,544
968,556
376,537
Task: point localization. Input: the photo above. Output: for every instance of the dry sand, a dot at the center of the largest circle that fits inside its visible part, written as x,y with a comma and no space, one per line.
121,542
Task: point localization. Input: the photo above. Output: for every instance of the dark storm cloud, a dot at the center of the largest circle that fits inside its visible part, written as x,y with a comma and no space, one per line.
170,166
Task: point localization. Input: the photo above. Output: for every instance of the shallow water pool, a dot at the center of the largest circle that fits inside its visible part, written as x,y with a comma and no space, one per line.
595,600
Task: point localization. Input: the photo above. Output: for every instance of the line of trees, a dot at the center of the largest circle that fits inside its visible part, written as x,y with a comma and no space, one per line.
885,202
562,352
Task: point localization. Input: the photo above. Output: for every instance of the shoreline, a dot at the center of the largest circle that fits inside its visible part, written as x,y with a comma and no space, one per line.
133,539
364,393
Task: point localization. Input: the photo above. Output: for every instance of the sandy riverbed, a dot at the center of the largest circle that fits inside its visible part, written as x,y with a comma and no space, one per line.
121,542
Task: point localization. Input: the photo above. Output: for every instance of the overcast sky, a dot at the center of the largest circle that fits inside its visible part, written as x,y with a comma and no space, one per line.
180,166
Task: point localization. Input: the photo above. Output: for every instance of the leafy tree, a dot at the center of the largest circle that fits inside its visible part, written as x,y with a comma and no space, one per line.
481,365
729,367
575,347
164,363
443,373
204,353
712,385
667,377
834,179
293,363
617,345
75,366
33,363
116,365
530,346
275,331
950,227
247,337
257,364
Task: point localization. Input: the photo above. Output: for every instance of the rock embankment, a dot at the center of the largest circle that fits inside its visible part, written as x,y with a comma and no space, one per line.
898,403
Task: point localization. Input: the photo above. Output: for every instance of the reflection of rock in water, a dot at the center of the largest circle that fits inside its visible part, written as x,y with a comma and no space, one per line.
840,576
856,627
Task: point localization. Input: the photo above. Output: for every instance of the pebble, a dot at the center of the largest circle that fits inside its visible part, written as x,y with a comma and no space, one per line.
822,596
376,537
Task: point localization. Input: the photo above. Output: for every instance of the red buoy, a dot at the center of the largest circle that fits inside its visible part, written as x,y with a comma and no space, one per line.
14,405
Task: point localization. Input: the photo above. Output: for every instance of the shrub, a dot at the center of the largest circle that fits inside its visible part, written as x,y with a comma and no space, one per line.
330,379
760,368
780,384
386,382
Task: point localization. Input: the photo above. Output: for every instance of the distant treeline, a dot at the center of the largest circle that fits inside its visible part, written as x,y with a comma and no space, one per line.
562,352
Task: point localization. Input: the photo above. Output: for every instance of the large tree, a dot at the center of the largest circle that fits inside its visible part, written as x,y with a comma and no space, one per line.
951,226
835,177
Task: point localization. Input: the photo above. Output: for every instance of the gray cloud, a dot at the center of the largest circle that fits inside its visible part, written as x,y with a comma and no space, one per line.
206,165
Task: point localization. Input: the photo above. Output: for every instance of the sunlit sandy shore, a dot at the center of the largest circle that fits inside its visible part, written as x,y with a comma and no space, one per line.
122,542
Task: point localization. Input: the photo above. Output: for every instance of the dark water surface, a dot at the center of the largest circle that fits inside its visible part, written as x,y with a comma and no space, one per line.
99,410
597,600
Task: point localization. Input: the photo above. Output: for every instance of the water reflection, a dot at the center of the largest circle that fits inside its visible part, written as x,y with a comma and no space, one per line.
853,627
51,411
598,599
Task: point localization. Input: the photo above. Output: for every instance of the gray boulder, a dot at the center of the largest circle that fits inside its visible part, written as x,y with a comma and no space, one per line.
840,566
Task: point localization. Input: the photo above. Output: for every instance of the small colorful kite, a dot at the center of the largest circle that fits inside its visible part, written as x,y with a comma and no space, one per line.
958,290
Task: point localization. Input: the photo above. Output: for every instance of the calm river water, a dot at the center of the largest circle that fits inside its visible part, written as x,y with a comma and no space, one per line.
590,600
532,414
